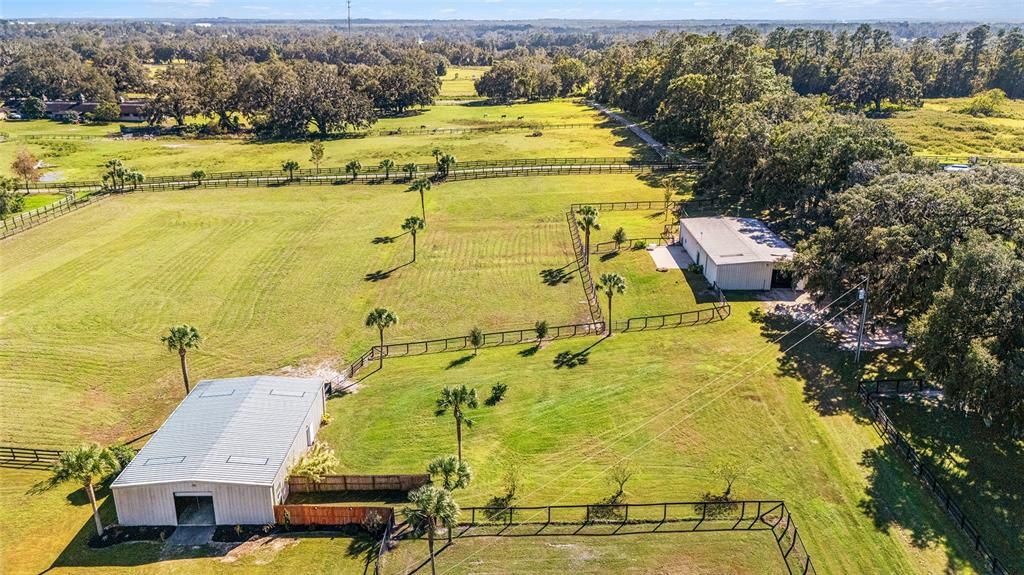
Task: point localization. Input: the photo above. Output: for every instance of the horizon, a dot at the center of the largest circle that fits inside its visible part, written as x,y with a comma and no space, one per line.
829,11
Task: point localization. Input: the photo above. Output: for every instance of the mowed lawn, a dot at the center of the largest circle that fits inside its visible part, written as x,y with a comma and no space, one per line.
271,277
979,467
459,82
937,129
71,160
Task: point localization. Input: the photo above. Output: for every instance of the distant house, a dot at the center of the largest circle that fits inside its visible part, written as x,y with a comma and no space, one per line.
131,111
737,253
222,457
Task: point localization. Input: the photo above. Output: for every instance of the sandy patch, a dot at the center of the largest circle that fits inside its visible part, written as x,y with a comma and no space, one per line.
578,554
264,548
173,146
801,307
52,176
329,371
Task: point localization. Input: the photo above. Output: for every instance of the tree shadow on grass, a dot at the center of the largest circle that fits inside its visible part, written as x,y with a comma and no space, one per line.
557,276
530,351
380,275
387,239
366,546
610,256
458,362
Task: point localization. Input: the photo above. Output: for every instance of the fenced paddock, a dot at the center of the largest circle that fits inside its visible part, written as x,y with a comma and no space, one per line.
28,457
921,466
634,518
22,221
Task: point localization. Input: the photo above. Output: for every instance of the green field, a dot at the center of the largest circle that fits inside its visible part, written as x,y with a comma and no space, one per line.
69,160
458,82
936,129
280,279
979,467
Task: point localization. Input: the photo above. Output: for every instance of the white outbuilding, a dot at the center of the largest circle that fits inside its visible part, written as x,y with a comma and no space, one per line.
737,253
222,457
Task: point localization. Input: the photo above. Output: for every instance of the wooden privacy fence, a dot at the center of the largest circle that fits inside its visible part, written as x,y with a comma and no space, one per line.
358,483
920,465
331,515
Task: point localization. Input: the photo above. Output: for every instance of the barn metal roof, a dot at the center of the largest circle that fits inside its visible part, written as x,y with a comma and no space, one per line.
737,240
236,430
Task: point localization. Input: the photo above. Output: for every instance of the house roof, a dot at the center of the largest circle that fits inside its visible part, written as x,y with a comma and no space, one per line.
129,108
237,430
737,240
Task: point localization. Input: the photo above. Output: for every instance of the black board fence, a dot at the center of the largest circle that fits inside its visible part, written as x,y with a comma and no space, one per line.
920,466
629,518
583,267
21,221
28,457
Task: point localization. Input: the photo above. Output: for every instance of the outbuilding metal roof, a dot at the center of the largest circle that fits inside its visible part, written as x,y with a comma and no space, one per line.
737,240
236,430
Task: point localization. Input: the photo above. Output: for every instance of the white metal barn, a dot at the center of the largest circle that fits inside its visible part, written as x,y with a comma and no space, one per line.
737,253
222,456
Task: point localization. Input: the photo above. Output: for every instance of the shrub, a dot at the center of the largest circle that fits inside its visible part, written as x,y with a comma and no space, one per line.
695,269
106,112
541,329
32,108
536,134
497,393
315,463
989,103
639,245
326,419
68,117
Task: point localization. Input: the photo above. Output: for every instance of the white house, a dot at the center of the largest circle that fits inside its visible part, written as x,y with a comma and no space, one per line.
222,456
737,253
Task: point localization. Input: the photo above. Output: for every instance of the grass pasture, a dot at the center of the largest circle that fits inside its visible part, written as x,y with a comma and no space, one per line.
458,82
937,129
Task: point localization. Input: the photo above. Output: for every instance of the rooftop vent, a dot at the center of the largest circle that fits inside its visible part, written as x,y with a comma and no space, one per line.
216,392
164,460
287,393
247,460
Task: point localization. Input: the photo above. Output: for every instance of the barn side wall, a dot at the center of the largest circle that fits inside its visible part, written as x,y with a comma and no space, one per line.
233,504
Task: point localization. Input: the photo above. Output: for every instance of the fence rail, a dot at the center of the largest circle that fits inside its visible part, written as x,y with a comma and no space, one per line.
20,222
700,203
28,457
330,483
920,466
971,160
582,264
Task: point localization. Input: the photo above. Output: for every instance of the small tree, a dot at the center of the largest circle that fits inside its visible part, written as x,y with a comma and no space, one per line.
134,177
11,201
410,170
619,237
290,166
422,186
429,509
315,463
445,164
316,154
106,112
454,474
413,224
387,165
198,176
612,284
181,339
476,339
667,194
458,399
620,474
541,329
381,318
353,168
87,465
26,166
114,176
437,153
587,222
32,108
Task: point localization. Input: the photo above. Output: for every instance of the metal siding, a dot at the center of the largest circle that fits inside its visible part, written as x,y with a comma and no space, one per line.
753,276
232,504
299,445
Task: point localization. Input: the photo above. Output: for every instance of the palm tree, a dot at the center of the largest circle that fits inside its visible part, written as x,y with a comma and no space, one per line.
454,474
430,508
611,284
353,168
422,186
437,153
445,164
619,237
587,222
412,225
387,165
134,177
410,170
476,339
86,465
115,174
458,399
181,339
381,318
290,166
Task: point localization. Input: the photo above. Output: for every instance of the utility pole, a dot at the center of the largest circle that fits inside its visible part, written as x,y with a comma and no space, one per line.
349,3
862,294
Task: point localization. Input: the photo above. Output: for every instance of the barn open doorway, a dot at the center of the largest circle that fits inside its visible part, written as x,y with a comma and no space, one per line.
782,279
194,509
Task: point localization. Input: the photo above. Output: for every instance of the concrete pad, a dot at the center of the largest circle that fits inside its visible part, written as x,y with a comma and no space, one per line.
670,257
191,535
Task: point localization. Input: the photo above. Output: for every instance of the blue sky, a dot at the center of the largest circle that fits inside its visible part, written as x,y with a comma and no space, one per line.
857,10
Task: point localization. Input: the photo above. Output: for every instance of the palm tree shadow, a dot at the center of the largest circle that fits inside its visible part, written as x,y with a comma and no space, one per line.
610,256
557,276
530,351
383,240
460,361
383,275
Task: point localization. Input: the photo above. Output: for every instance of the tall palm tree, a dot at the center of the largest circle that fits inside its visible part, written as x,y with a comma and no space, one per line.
458,399
412,225
381,318
422,186
611,284
86,465
182,338
587,221
410,170
454,474
445,164
387,165
437,153
290,166
353,168
431,508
